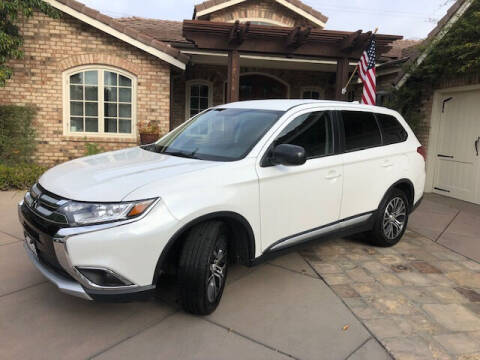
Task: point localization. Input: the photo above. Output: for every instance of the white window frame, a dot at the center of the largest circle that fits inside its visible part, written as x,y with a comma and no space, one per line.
318,89
188,85
101,121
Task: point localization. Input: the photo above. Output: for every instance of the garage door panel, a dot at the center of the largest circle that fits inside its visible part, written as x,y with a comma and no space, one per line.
455,178
457,166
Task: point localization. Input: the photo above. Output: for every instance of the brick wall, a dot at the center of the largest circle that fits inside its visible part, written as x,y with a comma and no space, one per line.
55,45
261,9
217,76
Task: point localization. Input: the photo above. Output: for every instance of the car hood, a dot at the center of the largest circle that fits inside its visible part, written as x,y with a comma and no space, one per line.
112,176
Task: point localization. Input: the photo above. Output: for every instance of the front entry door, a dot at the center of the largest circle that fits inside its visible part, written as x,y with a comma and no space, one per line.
295,200
457,163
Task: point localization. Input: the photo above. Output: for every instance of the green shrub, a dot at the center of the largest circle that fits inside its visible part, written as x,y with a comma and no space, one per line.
17,136
20,176
92,149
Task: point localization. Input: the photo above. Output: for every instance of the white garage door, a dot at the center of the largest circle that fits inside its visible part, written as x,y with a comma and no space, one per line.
457,164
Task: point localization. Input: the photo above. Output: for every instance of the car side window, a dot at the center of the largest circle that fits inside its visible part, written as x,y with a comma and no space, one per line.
313,131
392,131
361,130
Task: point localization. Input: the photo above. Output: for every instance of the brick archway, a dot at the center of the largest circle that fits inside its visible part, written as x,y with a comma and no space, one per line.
100,59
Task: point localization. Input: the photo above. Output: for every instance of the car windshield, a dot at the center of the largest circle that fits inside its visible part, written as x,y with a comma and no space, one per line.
218,134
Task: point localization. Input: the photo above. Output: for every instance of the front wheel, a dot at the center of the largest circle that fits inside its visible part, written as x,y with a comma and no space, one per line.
392,219
203,267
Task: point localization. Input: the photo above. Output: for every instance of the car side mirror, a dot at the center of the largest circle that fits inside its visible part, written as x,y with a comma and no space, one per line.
288,155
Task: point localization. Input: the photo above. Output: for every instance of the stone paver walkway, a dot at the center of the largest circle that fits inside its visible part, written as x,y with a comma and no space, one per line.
421,300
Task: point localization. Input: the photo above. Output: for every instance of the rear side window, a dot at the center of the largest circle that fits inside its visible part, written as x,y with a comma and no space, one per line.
361,130
312,131
392,131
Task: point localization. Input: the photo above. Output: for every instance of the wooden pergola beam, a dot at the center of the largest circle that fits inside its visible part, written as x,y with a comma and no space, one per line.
297,37
238,33
350,41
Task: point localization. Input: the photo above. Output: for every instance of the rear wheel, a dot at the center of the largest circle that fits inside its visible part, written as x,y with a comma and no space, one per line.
203,267
392,219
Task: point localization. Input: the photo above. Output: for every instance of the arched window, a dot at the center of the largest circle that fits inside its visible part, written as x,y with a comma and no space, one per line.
198,97
99,101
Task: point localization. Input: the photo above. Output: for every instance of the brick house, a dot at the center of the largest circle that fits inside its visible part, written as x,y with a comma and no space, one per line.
94,78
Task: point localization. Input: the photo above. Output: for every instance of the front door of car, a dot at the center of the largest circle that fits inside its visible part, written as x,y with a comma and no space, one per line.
299,199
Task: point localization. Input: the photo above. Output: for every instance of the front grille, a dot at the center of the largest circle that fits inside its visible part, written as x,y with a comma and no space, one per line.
45,205
42,223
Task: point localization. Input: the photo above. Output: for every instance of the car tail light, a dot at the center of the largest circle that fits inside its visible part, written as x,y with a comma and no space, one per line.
422,151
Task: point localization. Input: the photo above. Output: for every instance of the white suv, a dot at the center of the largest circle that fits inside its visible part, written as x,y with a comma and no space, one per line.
236,183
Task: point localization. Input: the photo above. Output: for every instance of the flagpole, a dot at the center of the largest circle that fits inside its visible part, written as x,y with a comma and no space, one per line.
344,90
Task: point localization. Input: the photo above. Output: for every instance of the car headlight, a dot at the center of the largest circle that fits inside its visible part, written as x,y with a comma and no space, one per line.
80,213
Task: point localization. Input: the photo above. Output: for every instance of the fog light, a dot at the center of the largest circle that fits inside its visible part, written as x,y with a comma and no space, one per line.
103,277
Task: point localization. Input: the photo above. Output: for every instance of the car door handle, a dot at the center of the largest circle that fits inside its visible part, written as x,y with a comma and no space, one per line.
476,144
332,175
387,164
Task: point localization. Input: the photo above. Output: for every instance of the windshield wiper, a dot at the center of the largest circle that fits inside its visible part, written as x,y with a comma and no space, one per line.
185,154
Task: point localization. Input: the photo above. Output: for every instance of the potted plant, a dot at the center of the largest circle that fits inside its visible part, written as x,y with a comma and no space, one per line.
149,132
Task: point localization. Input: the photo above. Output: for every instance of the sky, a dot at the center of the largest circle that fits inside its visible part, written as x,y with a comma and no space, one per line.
398,17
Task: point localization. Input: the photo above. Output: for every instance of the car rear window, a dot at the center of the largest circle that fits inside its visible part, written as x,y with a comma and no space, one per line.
392,131
361,130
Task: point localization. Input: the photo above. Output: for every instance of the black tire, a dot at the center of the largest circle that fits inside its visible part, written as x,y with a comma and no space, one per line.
204,245
386,232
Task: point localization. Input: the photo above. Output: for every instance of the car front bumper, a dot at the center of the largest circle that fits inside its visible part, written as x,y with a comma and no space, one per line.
123,249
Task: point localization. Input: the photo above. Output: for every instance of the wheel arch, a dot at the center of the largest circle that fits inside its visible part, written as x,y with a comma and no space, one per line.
243,244
406,186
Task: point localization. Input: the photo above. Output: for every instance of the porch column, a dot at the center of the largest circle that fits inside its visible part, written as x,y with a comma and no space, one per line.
342,78
233,84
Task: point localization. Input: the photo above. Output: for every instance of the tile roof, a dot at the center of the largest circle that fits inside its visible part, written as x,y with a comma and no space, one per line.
402,48
308,9
131,31
163,30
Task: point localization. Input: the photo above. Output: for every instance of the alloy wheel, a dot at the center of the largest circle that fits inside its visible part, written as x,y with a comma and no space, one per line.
394,218
217,270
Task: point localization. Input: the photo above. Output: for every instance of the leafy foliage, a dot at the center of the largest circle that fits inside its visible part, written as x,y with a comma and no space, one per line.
17,136
20,176
93,149
458,53
10,37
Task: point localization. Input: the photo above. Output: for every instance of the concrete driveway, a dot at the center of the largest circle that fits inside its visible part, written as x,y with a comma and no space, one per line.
339,299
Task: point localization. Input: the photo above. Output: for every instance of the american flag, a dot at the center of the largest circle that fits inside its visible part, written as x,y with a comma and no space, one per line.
367,73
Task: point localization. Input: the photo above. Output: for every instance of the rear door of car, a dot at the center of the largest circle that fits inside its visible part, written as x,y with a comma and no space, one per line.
372,162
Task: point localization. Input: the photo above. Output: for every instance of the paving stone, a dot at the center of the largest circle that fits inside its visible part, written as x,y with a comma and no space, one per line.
453,317
440,280
470,294
449,266
414,279
424,267
418,325
359,275
409,348
419,295
323,268
367,288
345,291
336,279
368,312
393,304
375,267
472,265
475,356
355,302
399,268
293,261
445,254
465,278
473,307
390,259
458,343
389,279
384,328
447,295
